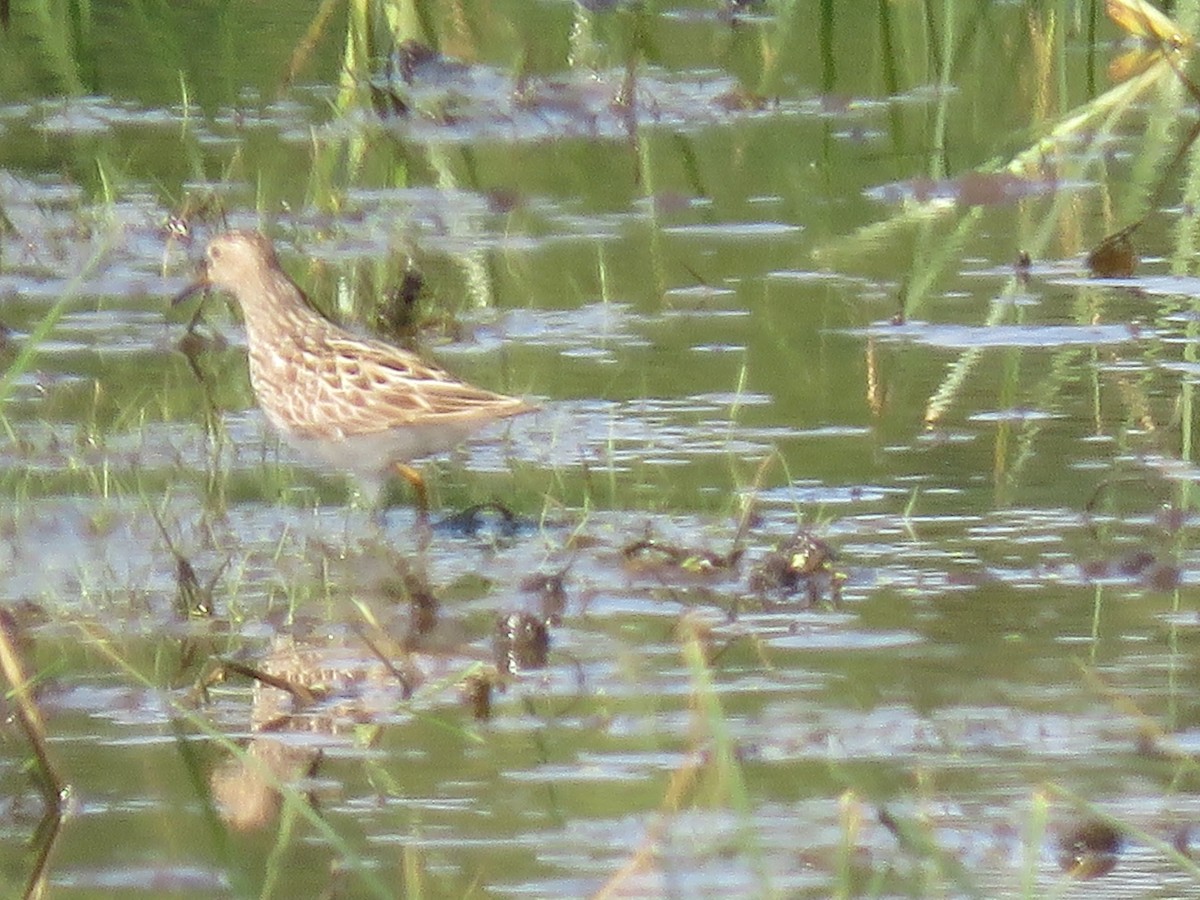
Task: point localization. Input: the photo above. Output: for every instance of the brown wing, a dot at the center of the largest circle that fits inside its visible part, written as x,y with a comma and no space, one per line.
361,386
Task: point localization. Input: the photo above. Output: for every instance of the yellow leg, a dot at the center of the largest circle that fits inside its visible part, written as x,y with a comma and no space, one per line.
413,477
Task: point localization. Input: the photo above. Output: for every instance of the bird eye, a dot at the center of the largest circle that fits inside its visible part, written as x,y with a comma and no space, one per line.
214,253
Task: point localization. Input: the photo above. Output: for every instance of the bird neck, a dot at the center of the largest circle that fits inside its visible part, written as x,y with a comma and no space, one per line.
273,306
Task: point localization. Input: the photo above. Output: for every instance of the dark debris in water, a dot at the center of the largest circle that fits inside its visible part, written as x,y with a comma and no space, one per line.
802,564
192,598
424,608
667,560
396,317
1090,849
1141,566
421,88
521,642
551,591
1115,256
477,689
485,519
739,99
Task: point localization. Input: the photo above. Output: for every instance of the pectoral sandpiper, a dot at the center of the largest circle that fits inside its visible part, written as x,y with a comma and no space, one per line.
356,403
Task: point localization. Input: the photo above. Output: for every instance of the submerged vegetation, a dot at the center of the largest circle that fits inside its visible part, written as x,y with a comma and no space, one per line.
851,554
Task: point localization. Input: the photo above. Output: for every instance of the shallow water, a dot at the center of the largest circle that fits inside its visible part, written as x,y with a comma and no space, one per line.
767,283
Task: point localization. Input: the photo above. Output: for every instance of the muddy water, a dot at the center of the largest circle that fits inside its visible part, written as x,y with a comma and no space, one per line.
760,268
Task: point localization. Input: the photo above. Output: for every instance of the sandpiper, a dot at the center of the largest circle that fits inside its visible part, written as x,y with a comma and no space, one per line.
355,402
